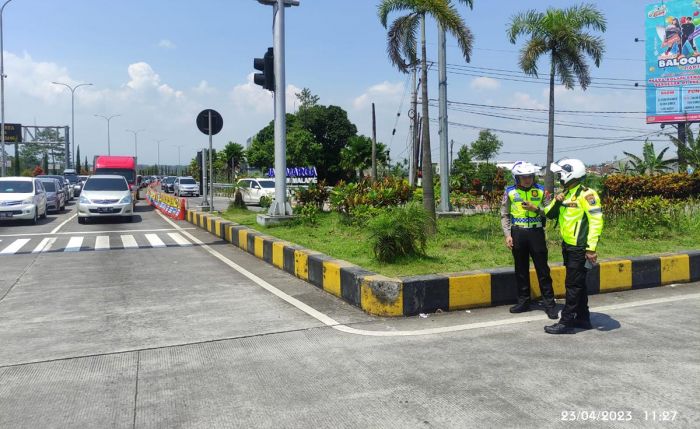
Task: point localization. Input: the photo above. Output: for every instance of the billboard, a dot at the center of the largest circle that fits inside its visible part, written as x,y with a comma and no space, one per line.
673,61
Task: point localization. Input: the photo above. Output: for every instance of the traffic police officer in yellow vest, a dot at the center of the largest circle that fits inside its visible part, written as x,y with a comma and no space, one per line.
580,218
524,232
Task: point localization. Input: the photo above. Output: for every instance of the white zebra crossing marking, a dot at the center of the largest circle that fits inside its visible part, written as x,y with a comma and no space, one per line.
154,240
74,244
102,242
15,246
129,242
42,245
179,239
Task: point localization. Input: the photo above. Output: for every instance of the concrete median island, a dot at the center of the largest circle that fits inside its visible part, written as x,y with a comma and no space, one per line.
408,296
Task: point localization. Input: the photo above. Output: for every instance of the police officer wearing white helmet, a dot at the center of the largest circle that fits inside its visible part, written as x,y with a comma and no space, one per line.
580,218
523,228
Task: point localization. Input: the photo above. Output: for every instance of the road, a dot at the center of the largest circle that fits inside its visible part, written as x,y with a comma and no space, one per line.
157,324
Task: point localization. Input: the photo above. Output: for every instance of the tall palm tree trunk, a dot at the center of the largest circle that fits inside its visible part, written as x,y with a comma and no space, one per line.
428,190
548,179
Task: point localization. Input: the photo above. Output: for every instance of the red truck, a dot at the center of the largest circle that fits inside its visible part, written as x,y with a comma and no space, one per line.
119,165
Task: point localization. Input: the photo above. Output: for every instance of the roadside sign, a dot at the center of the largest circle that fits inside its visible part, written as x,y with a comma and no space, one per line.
217,122
13,133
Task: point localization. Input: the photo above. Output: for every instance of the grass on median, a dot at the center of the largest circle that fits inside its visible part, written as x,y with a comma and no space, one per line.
462,244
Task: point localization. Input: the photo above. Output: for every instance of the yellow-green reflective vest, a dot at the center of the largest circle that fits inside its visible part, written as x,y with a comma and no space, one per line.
580,217
518,215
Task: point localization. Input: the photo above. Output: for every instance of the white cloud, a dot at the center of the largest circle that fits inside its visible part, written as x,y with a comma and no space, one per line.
485,83
381,92
249,96
143,78
166,44
521,99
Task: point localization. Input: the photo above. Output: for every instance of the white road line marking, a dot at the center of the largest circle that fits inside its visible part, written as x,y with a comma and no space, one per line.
102,242
15,246
328,321
55,230
154,240
180,240
129,242
49,244
93,232
74,244
42,244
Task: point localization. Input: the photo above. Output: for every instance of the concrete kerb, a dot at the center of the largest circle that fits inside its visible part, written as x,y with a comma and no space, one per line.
409,296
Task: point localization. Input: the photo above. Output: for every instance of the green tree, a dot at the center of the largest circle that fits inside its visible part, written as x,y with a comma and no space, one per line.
463,169
357,155
650,162
86,166
690,151
78,169
486,146
306,99
332,129
401,47
233,156
559,34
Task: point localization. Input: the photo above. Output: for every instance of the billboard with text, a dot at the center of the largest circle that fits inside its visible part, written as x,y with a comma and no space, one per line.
673,61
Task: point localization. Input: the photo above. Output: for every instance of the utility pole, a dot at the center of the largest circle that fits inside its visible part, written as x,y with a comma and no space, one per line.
452,155
444,161
158,142
2,96
374,145
413,168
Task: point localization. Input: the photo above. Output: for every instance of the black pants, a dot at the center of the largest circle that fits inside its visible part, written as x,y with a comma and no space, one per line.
576,306
530,242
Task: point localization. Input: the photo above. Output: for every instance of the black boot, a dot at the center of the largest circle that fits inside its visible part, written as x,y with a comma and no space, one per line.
559,328
552,312
520,308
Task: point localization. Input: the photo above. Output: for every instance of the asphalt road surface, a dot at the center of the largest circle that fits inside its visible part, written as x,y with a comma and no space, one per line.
158,324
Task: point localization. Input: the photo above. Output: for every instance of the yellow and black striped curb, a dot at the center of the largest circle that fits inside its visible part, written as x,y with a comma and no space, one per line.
408,296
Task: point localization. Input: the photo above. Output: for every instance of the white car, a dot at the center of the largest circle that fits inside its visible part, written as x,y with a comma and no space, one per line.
185,186
22,198
253,189
104,196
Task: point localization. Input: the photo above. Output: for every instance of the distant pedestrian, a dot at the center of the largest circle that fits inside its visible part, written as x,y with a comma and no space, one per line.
580,218
524,232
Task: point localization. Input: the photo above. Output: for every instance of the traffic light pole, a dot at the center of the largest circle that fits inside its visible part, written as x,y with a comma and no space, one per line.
280,206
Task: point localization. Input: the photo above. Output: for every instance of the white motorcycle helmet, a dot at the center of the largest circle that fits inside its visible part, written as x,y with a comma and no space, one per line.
522,168
568,169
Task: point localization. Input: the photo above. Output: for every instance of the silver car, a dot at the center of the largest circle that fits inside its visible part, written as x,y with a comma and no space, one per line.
55,198
186,186
105,196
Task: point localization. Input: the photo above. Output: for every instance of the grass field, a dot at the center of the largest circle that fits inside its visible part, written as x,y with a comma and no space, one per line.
462,244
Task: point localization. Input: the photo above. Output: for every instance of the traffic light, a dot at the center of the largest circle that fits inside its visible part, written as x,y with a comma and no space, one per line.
266,65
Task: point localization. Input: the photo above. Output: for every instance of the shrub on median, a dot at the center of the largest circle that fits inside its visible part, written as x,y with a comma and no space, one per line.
399,232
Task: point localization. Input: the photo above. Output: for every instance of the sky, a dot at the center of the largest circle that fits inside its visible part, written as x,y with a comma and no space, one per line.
158,63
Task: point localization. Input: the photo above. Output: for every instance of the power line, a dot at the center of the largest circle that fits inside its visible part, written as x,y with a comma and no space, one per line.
584,125
529,109
520,72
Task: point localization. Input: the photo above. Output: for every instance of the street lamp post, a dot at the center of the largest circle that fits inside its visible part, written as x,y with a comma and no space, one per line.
72,114
2,93
136,142
107,118
158,142
178,157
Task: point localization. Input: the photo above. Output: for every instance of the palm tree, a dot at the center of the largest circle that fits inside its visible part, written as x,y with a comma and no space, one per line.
559,34
401,47
650,162
690,151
